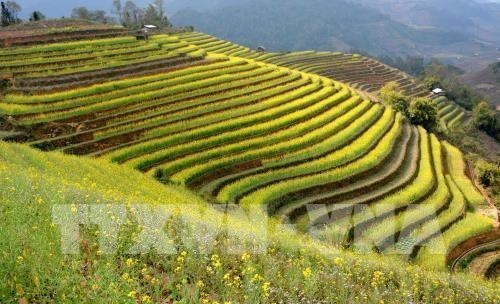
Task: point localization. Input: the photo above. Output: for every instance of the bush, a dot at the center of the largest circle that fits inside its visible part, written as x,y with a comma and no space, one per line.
392,95
432,82
423,112
488,174
487,119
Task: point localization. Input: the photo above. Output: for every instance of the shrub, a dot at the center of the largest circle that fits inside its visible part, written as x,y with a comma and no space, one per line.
392,95
488,173
423,112
487,119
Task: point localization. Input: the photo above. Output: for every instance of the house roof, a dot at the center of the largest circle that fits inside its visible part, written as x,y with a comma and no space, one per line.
437,91
150,26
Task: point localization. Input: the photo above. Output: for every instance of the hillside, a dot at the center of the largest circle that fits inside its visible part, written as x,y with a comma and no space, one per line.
318,24
367,76
487,81
238,128
32,184
481,19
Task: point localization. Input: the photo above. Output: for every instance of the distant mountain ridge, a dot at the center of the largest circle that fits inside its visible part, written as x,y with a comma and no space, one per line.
479,18
316,24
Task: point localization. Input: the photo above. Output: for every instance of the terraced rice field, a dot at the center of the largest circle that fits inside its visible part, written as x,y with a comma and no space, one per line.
360,72
51,31
223,121
450,114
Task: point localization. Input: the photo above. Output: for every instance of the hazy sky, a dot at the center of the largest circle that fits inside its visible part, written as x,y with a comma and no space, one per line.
59,8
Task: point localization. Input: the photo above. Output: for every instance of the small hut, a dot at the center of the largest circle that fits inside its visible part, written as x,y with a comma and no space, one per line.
261,49
438,92
144,32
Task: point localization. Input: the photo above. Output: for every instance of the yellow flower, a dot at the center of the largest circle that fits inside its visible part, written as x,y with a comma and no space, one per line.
338,261
245,257
266,288
257,278
132,294
130,262
146,299
200,284
307,272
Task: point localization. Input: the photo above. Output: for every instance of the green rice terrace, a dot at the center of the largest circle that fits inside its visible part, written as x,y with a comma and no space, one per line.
219,123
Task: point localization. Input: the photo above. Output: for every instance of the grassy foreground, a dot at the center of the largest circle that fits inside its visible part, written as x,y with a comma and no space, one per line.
291,269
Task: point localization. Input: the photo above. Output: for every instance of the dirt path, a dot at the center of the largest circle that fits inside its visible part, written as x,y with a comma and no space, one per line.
481,264
474,245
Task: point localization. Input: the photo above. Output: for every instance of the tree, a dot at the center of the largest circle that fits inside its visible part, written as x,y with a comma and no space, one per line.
155,14
5,15
99,16
14,10
487,119
10,11
422,111
80,13
160,4
391,95
132,15
85,14
37,16
432,82
117,4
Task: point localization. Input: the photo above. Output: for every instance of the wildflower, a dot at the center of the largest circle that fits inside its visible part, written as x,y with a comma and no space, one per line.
180,259
146,299
257,278
200,284
266,288
216,261
338,261
130,262
132,294
245,257
307,272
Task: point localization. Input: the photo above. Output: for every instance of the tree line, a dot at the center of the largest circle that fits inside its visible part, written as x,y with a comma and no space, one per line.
126,13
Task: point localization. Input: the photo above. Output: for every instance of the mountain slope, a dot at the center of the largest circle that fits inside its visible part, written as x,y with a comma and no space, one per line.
481,19
487,81
317,24
34,270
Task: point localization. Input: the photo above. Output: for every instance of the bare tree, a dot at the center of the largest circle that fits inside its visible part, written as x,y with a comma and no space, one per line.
117,4
80,13
10,11
14,9
132,15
